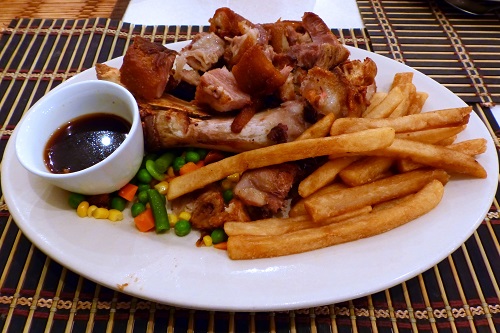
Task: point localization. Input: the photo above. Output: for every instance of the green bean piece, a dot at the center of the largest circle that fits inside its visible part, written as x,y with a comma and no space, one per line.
218,236
182,228
151,167
75,199
159,211
118,203
147,157
137,208
144,176
163,162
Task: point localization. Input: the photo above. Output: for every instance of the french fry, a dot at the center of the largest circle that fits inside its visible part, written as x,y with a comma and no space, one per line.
320,129
279,226
376,99
401,78
342,201
471,147
291,151
252,247
387,105
324,175
448,141
432,135
433,155
298,207
418,102
415,122
409,92
366,170
391,203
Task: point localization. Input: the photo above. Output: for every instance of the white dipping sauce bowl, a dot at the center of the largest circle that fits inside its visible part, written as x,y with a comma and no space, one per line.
60,106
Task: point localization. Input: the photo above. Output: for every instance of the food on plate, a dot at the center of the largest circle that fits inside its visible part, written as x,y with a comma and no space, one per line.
245,246
270,140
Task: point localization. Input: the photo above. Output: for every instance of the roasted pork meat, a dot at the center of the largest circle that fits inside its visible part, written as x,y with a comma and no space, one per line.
219,90
209,210
173,128
267,187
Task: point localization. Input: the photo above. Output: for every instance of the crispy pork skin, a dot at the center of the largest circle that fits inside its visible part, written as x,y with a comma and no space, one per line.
227,23
256,74
267,187
172,128
146,68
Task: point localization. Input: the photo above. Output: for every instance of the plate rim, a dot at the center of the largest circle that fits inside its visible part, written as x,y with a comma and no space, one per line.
228,306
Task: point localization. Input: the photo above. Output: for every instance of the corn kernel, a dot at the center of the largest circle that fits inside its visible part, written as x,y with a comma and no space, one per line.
207,240
185,216
82,209
226,184
170,172
101,213
90,210
115,215
162,187
172,219
235,177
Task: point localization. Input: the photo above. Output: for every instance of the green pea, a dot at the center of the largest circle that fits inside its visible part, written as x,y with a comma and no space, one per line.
182,228
143,187
192,156
178,163
202,152
118,203
227,195
137,208
75,199
144,176
143,196
218,235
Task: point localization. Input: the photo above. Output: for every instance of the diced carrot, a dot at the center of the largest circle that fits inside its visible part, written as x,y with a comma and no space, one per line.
128,191
200,163
145,220
188,167
221,246
213,156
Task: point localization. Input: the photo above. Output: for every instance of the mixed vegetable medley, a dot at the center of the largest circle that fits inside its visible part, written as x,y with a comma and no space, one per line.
145,198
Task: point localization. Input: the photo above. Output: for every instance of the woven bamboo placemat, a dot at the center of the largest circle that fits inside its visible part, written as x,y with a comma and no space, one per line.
74,9
459,294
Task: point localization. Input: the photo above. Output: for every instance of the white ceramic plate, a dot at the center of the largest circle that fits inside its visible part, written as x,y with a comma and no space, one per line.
172,270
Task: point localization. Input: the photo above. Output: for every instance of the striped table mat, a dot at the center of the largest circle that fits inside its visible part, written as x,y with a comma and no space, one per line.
461,293
9,9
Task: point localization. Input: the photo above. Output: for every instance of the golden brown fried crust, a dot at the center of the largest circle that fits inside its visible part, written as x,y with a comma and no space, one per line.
146,68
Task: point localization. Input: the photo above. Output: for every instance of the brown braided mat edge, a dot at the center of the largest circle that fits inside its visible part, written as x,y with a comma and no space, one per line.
459,294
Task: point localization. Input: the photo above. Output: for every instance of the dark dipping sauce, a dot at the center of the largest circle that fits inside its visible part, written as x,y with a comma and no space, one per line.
84,141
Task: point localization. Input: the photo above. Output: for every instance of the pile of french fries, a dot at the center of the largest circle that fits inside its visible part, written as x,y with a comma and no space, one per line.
384,169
